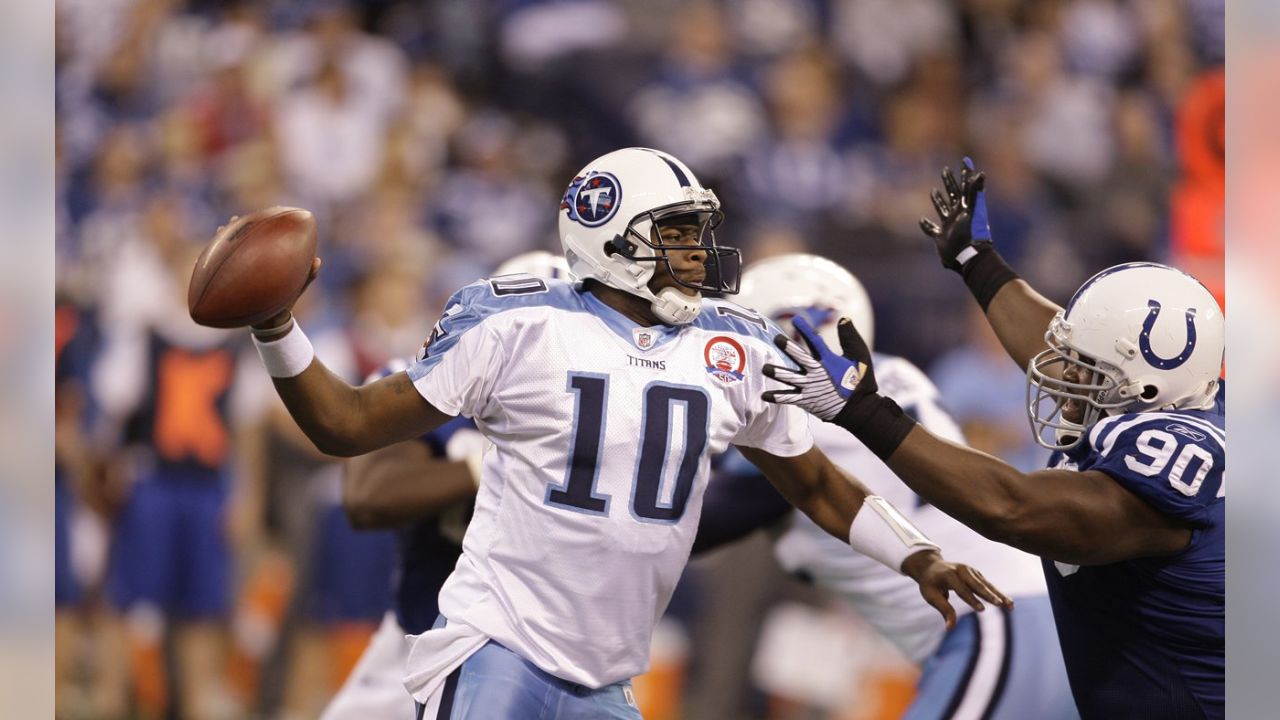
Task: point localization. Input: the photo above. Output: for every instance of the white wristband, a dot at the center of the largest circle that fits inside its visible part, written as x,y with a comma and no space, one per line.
881,533
288,356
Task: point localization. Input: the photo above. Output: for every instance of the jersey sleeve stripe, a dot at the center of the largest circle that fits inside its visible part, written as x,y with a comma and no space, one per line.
1109,441
1158,417
1096,432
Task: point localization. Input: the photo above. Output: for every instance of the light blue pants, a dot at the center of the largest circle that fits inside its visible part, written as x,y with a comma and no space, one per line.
997,665
497,684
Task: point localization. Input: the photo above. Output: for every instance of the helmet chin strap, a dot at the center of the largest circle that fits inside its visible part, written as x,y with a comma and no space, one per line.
674,307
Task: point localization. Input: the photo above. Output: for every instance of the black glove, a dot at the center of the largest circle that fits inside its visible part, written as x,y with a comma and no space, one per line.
840,389
963,212
963,239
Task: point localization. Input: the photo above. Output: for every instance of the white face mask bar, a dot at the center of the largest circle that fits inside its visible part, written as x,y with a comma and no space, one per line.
1048,393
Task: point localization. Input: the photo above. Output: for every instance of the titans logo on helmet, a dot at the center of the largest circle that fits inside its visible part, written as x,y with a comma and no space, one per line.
592,199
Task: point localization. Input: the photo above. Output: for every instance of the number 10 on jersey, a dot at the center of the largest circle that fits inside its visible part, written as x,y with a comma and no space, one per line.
658,404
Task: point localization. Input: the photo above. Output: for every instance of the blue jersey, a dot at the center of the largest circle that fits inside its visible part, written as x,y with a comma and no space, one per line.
1146,637
428,549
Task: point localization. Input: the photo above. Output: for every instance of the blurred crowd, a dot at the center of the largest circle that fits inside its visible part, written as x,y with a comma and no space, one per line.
433,140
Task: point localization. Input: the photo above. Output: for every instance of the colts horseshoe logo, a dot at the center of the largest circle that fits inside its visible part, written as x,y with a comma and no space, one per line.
1144,340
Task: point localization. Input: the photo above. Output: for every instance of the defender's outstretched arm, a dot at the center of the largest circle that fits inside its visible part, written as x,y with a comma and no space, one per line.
1018,314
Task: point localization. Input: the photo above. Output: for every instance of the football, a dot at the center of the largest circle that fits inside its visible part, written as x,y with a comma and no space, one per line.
255,267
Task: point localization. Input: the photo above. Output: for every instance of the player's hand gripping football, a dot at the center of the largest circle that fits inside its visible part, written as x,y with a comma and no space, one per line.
938,578
963,228
826,380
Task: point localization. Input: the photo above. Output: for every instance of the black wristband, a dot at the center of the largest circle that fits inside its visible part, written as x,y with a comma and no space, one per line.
877,421
985,274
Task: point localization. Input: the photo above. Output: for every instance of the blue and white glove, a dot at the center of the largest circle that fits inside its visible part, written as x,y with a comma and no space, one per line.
825,380
839,388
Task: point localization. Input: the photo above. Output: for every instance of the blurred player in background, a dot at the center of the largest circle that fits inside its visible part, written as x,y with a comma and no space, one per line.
424,489
87,631
575,544
1001,664
169,389
1123,384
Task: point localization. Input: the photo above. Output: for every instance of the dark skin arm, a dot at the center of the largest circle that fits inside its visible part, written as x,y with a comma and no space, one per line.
816,487
401,483
1020,316
1082,518
347,421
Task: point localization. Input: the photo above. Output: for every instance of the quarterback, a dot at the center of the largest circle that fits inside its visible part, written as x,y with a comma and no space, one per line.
603,401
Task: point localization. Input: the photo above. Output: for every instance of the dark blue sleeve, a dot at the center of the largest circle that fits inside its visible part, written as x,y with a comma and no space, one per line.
1173,462
739,500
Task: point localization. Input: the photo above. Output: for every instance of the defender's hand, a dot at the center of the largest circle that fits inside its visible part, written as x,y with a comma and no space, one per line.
937,578
825,381
963,229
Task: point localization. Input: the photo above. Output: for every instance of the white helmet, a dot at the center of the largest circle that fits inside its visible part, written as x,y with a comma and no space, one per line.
785,286
609,212
1140,336
538,263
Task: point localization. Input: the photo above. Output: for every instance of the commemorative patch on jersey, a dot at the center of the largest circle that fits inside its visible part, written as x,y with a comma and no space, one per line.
592,199
725,359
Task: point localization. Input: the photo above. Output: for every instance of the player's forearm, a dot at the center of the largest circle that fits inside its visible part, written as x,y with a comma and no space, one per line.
401,484
1020,316
977,489
813,486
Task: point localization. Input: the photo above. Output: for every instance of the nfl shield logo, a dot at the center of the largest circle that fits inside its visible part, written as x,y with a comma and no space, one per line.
643,338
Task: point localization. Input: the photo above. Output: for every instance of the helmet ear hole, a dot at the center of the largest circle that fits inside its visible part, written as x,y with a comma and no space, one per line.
1149,392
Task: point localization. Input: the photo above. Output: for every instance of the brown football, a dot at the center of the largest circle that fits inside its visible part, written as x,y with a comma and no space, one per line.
254,268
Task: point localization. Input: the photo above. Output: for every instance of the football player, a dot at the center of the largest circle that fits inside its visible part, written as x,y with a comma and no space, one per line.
1002,665
1123,384
603,401
425,490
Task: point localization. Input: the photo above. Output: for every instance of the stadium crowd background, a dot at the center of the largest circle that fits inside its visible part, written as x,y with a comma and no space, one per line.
433,141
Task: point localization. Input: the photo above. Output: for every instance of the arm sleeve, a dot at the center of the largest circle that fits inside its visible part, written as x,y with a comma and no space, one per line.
1176,466
739,500
459,364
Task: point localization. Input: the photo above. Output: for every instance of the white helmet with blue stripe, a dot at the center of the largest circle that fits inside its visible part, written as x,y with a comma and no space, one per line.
608,221
785,286
1136,337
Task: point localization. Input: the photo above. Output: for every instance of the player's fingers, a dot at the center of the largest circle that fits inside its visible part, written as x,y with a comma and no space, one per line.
986,590
781,373
939,602
312,274
852,343
940,204
965,591
973,185
950,183
808,335
930,228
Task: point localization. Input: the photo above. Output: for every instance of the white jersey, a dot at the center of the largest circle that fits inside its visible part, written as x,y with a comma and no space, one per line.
888,600
601,436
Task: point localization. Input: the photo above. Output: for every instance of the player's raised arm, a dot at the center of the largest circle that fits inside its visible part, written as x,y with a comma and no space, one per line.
252,273
1069,516
1018,314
